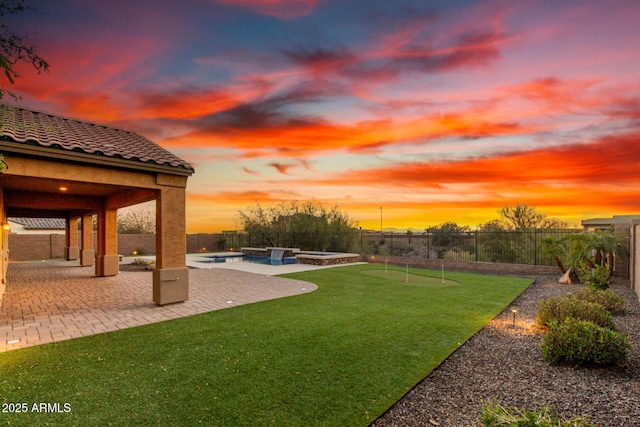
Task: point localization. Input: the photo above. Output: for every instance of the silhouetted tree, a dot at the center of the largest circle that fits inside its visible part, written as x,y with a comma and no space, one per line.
137,220
307,225
524,217
14,47
449,236
515,237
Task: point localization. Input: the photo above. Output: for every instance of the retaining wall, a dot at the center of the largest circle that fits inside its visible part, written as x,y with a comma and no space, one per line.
327,259
29,247
523,270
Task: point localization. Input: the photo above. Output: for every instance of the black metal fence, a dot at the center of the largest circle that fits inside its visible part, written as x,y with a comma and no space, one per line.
517,247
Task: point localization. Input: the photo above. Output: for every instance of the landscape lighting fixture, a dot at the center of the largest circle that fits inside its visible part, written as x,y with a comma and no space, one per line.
514,311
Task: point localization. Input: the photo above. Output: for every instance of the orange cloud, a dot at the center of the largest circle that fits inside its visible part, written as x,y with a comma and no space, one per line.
609,159
241,198
281,167
250,171
189,103
87,79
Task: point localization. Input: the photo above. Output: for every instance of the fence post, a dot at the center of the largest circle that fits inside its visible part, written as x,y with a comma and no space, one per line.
535,246
476,235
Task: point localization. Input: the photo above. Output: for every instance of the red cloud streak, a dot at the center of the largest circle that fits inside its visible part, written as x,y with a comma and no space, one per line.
613,159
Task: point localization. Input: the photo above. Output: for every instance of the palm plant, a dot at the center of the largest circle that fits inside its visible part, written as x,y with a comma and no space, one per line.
555,249
580,249
606,245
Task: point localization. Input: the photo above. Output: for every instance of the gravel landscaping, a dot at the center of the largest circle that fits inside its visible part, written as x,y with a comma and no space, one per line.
504,363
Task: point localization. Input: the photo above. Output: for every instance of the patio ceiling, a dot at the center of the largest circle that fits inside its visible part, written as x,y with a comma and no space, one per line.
54,198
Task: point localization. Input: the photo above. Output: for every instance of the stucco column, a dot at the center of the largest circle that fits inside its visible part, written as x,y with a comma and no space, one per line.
4,248
87,255
171,275
71,248
107,258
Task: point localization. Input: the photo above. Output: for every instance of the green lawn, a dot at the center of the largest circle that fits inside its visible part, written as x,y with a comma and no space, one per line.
339,356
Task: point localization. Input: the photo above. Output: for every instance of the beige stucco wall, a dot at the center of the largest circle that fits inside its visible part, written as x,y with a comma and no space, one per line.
634,250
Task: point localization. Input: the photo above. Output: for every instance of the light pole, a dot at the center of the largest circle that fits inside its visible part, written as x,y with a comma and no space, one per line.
381,236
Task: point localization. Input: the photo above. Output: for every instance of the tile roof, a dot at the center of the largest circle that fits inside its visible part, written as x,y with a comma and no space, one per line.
40,223
25,126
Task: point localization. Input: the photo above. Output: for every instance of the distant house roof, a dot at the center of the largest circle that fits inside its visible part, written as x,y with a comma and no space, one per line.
609,222
40,223
20,125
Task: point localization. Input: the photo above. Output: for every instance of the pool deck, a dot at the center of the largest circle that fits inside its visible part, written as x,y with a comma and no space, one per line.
199,261
59,300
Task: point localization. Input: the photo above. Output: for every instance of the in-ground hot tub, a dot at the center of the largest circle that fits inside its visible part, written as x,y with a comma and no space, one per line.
326,258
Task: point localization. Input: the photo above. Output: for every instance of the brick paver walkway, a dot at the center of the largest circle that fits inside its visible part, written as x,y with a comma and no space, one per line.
59,300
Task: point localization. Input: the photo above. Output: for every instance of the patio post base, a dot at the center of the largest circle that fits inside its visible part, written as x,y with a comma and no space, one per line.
107,265
71,253
87,257
170,285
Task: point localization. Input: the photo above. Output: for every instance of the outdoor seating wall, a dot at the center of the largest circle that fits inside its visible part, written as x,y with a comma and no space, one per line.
501,269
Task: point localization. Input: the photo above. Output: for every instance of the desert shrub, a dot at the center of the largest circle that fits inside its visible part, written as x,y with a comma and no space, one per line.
583,343
558,309
495,415
611,302
595,278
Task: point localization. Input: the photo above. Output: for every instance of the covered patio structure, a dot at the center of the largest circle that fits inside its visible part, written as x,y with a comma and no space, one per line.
57,167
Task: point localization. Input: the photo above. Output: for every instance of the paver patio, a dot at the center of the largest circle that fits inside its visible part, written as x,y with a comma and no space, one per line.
59,300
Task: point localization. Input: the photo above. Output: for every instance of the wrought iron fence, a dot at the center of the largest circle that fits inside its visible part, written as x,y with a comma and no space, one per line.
517,247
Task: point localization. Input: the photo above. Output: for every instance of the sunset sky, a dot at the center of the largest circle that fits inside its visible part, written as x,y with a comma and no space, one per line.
433,110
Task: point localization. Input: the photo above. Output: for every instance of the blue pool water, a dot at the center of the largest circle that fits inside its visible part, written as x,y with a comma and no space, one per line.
250,258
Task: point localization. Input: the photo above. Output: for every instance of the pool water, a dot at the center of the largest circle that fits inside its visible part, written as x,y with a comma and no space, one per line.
254,259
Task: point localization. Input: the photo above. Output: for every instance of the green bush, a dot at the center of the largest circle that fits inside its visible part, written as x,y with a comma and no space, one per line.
583,343
611,302
557,309
495,415
595,278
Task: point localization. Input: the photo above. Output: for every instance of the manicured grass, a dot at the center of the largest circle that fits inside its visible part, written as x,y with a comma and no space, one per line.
338,356
403,277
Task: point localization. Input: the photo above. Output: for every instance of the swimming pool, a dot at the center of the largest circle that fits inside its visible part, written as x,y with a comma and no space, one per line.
254,259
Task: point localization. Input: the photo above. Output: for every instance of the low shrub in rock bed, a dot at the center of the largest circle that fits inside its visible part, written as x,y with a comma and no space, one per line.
495,415
613,303
583,343
596,277
143,262
557,309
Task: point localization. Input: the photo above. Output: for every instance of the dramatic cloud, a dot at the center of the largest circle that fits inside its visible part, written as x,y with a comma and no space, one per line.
610,159
433,110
